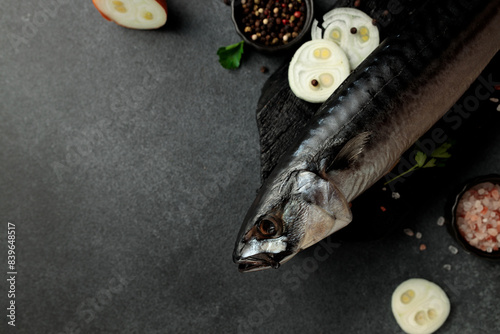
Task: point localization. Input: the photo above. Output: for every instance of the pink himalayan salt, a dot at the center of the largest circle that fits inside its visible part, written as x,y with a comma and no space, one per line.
478,216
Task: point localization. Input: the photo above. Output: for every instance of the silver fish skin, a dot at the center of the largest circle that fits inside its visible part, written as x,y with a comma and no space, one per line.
403,88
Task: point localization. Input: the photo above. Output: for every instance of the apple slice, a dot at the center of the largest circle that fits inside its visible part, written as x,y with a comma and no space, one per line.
134,14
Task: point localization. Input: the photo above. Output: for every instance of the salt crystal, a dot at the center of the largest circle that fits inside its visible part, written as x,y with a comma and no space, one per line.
489,249
418,235
408,232
494,99
447,267
440,221
396,195
384,189
498,107
477,216
493,232
453,249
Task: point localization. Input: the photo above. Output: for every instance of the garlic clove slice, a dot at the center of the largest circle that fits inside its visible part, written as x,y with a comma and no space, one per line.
420,306
317,68
351,29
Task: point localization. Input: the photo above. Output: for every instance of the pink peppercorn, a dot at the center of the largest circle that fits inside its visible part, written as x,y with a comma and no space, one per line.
297,14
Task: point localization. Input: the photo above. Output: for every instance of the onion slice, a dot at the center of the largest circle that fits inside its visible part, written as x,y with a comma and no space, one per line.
420,306
351,29
317,68
134,14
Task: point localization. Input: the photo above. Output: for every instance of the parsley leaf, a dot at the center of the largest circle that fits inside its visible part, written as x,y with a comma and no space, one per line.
438,156
442,151
430,163
230,56
420,158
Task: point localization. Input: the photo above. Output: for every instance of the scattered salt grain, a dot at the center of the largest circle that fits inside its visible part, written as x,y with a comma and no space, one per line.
384,189
494,99
447,267
418,235
440,221
498,107
423,247
453,250
396,195
409,232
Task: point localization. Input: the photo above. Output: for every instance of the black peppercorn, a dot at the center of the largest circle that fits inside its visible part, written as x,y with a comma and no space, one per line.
282,20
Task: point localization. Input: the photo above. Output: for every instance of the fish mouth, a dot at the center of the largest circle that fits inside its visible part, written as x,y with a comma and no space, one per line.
256,263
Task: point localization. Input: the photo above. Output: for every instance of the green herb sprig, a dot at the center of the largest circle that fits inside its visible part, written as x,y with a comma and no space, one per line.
230,56
436,159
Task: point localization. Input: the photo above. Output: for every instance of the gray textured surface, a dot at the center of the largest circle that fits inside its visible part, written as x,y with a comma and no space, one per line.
127,161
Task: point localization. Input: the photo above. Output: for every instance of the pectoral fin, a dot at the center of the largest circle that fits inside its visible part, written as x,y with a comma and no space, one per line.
348,154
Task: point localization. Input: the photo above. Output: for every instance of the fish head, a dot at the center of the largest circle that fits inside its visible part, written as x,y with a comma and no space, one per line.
284,220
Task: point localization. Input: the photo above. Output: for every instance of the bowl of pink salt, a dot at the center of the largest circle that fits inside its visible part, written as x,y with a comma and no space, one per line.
475,219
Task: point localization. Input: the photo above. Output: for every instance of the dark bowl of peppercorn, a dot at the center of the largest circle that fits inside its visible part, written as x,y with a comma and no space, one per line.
272,25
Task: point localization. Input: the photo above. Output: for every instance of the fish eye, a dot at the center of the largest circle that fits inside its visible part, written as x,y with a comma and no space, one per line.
267,228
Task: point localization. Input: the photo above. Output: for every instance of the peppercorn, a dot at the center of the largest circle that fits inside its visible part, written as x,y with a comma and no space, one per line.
282,20
354,30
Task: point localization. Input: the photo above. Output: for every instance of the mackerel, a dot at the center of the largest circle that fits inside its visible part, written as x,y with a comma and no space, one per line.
403,88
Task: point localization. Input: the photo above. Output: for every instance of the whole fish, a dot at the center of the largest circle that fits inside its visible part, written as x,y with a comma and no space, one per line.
405,86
